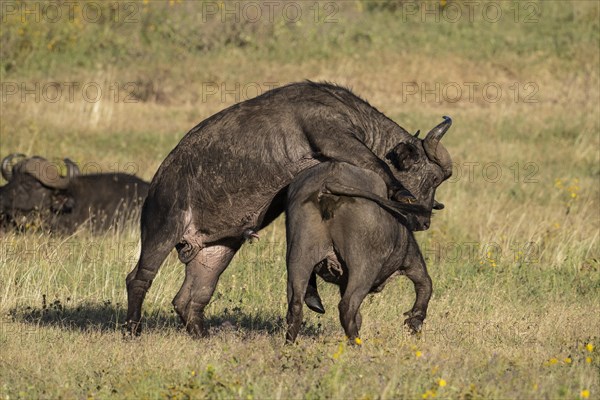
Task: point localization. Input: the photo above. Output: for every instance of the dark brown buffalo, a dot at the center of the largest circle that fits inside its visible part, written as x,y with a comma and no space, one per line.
339,225
36,193
227,178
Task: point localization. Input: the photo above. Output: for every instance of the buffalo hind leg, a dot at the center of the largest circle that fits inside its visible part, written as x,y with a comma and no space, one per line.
139,281
201,277
298,278
417,273
353,293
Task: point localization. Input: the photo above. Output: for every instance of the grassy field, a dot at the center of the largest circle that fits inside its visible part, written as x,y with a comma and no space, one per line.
514,257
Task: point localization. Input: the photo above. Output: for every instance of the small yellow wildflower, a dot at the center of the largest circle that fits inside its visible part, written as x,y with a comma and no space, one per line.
429,394
558,183
418,353
535,386
589,347
585,394
193,373
553,361
588,360
568,360
358,341
339,351
441,382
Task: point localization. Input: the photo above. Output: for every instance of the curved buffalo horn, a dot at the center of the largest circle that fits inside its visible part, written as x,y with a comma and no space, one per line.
45,172
6,165
417,133
434,151
72,168
436,134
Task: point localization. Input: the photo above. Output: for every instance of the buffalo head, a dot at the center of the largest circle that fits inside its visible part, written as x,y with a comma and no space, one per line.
422,165
34,184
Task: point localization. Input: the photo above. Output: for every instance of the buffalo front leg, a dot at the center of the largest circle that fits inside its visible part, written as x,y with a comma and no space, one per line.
348,148
201,276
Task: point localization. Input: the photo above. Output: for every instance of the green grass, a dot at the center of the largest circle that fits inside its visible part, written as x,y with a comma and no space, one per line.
514,260
492,331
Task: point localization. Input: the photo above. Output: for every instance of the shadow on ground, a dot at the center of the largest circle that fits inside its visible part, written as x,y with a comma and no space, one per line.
107,317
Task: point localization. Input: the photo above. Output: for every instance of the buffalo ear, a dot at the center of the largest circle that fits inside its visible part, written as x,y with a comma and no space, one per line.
62,203
403,156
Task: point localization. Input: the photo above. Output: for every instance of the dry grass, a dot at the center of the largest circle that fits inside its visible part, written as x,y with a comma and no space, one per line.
514,258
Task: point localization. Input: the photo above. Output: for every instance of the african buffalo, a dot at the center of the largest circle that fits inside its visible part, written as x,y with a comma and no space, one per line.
37,192
227,178
339,224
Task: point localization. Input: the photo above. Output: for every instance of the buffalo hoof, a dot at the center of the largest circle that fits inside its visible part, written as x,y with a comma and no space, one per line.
250,235
414,321
289,340
132,328
355,342
415,324
314,303
196,330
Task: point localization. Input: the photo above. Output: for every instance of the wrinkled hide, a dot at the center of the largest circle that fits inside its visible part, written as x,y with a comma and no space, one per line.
229,176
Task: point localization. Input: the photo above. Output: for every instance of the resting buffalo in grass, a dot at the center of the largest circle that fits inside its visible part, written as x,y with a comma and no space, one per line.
36,193
339,224
227,179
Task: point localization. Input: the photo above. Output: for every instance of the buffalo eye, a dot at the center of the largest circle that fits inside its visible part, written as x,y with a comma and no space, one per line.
403,156
62,203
